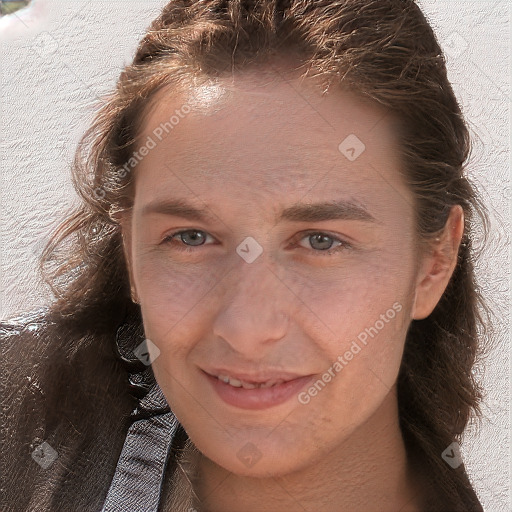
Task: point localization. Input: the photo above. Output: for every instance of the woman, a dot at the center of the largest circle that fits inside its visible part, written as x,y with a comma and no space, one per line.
274,246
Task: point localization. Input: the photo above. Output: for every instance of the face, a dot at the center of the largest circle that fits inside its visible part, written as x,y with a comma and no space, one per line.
272,238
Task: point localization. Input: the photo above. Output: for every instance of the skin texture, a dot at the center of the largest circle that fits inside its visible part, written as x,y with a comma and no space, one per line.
257,145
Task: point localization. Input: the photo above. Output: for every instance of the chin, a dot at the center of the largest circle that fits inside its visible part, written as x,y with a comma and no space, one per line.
257,458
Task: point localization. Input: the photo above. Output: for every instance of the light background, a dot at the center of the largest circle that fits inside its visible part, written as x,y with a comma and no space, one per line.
58,57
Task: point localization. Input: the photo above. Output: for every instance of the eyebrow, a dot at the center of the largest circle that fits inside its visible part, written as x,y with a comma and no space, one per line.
300,212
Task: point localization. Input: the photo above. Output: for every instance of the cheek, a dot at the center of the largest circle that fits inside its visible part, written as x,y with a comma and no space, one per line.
171,291
345,301
174,301
360,319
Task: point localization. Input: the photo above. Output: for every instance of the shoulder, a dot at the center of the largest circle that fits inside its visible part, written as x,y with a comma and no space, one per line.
66,399
22,346
33,349
18,326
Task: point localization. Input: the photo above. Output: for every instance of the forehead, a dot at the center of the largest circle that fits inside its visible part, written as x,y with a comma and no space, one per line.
269,133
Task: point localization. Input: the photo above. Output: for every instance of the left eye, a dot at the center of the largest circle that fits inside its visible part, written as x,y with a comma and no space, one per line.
321,242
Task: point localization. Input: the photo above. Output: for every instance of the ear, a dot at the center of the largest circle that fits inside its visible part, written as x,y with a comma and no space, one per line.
438,265
125,221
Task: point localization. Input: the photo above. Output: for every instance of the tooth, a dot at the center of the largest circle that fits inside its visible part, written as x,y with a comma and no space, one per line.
248,385
234,382
270,383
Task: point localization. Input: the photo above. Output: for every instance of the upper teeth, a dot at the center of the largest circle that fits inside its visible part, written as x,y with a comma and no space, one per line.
248,385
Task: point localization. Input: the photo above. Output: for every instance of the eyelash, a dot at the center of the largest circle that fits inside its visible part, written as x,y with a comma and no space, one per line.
328,252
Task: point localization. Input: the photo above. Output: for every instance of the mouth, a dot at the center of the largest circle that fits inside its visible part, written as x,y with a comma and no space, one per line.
256,392
238,380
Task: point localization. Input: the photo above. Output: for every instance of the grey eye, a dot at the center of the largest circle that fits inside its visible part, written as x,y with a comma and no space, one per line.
321,241
192,237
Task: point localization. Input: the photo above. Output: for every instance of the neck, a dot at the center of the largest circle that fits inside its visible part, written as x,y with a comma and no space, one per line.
367,472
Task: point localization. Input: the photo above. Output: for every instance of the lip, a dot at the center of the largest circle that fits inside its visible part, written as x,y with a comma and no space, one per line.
258,398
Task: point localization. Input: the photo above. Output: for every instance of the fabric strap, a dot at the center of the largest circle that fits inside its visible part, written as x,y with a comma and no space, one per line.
139,475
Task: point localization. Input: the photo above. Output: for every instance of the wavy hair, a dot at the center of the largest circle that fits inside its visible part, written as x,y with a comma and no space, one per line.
386,52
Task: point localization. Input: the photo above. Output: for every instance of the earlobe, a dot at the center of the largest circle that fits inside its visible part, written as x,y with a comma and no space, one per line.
438,265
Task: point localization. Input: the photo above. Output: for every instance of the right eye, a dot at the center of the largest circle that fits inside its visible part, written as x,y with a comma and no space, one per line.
186,239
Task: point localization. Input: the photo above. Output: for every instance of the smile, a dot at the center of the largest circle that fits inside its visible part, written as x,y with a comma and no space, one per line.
255,395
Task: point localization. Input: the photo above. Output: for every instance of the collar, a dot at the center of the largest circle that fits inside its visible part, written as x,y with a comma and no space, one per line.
139,475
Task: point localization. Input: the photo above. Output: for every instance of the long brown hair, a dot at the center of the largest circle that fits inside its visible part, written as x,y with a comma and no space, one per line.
385,51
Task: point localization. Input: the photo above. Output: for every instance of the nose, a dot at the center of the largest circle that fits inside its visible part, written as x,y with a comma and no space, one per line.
253,314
